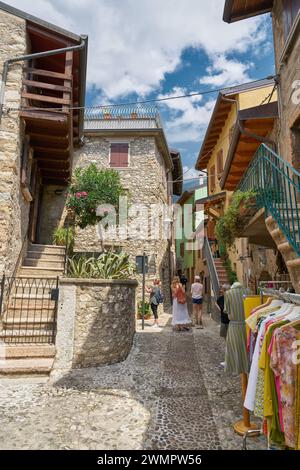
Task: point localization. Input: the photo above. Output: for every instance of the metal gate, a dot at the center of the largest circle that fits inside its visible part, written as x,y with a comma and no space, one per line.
28,310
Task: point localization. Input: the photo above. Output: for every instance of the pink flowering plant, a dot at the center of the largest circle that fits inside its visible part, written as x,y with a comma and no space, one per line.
90,188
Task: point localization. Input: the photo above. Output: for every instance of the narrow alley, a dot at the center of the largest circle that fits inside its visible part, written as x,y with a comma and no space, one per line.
170,393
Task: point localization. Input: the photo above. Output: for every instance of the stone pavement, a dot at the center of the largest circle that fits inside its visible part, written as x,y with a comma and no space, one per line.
170,393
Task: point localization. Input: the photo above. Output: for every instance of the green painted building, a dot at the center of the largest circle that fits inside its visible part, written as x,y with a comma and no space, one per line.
187,221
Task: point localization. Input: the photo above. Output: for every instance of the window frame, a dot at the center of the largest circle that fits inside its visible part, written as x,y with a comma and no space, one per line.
119,142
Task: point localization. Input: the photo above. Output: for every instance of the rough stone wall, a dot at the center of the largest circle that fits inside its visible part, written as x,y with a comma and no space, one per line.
13,209
264,264
146,181
52,212
289,143
104,322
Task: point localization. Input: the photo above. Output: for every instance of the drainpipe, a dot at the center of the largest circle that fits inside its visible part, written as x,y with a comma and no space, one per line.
23,58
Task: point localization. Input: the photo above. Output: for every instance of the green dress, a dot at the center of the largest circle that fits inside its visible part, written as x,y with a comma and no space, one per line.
236,358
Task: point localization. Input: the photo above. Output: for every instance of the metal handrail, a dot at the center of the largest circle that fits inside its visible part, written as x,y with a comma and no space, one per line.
277,187
211,267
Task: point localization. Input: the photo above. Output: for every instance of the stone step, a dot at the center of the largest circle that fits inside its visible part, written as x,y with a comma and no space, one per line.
285,247
36,272
43,263
46,256
51,249
33,323
34,292
31,336
294,263
20,351
31,304
277,234
26,366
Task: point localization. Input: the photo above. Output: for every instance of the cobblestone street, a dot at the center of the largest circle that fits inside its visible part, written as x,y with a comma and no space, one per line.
170,393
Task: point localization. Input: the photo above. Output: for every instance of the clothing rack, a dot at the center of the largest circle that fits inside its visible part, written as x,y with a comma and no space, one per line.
276,293
285,296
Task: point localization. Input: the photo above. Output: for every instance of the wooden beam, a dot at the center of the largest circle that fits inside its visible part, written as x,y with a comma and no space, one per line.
38,115
52,151
61,164
48,137
47,86
46,99
51,36
48,73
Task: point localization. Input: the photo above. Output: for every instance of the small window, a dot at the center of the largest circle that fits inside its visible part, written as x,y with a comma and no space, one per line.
119,155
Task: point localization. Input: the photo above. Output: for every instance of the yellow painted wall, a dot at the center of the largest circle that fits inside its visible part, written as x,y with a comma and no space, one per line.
246,99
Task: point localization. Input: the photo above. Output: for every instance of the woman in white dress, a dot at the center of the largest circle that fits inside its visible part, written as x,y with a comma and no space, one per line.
180,319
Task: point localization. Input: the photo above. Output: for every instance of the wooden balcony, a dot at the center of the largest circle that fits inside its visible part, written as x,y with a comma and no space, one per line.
46,103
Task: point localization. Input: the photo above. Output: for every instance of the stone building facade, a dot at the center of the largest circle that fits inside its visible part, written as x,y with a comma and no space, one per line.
14,209
36,143
148,182
286,27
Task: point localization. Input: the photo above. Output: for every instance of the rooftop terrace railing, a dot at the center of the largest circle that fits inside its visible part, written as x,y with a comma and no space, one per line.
123,117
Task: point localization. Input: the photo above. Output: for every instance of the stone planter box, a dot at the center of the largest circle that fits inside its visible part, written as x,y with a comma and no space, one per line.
96,322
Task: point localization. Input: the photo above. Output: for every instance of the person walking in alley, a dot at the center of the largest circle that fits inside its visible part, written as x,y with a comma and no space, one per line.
183,281
155,299
180,315
197,299
224,317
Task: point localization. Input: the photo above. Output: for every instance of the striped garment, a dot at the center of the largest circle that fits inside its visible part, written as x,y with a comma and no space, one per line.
236,358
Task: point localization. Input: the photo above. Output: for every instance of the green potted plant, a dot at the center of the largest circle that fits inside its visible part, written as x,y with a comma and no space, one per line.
140,310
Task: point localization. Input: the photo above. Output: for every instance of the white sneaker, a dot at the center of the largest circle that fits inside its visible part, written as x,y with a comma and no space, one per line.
222,364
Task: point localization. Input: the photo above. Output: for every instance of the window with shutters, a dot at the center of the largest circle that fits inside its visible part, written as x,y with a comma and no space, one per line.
220,163
290,11
119,155
212,178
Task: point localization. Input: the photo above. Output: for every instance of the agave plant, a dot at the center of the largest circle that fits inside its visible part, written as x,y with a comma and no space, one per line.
80,266
108,265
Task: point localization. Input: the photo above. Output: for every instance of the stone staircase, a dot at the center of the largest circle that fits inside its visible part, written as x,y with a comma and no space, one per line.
26,360
221,271
28,322
43,261
289,255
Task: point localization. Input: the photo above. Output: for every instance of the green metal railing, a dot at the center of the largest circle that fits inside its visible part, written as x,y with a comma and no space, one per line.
277,186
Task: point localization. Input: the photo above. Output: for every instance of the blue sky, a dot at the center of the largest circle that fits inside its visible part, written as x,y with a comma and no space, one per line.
143,49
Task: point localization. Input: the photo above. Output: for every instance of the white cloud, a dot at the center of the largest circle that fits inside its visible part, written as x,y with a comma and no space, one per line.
134,43
226,72
190,174
188,116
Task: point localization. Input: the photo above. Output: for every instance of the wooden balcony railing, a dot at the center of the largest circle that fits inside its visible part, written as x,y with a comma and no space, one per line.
47,91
